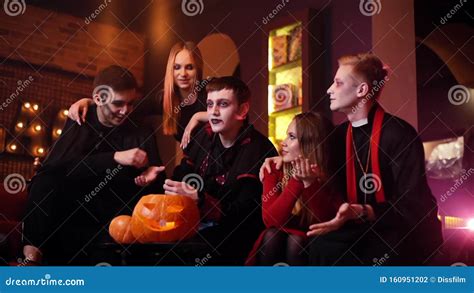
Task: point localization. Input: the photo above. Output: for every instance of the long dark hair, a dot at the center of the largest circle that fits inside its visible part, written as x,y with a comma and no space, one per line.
316,139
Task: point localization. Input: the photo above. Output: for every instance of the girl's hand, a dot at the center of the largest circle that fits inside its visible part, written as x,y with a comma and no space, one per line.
197,117
187,132
78,110
304,171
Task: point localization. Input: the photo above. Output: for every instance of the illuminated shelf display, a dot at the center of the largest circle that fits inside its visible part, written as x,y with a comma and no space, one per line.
285,73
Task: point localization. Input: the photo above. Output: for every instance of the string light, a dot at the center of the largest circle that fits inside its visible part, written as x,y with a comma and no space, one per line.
27,105
65,112
20,125
38,127
40,150
35,107
13,147
58,131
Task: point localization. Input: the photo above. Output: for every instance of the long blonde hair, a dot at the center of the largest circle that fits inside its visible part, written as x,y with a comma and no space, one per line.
316,144
171,100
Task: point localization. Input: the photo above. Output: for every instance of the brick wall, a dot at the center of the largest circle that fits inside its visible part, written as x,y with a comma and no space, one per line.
47,38
60,54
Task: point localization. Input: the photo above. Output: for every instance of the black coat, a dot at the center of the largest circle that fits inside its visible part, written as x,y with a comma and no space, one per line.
80,186
232,192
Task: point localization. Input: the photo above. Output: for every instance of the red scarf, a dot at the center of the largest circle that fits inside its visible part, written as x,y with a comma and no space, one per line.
374,158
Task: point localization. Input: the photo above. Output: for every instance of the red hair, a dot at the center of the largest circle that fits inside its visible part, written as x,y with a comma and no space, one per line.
171,100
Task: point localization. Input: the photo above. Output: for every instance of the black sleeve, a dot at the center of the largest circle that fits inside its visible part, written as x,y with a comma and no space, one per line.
248,190
151,148
243,199
239,203
90,164
64,146
148,144
412,200
192,153
71,158
185,167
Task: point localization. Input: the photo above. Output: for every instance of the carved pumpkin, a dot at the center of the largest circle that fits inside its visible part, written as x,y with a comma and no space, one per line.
164,218
120,230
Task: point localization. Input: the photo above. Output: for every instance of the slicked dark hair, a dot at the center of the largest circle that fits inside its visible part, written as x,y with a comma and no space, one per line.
241,90
117,77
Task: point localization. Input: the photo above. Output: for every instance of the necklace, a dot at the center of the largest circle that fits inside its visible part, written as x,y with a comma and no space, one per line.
364,170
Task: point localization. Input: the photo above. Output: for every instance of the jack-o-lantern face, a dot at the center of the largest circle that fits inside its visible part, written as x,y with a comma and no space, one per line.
164,218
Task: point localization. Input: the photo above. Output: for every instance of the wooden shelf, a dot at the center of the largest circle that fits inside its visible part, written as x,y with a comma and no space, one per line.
287,66
305,73
286,111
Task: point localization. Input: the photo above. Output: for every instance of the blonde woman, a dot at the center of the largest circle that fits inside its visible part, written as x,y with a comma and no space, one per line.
182,101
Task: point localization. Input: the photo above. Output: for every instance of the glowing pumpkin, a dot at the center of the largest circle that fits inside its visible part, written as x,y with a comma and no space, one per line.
120,230
164,218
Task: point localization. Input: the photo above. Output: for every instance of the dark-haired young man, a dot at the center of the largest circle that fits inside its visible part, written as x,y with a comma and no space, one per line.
226,155
93,173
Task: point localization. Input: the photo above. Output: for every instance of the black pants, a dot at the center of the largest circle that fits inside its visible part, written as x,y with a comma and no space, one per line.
63,224
361,245
230,244
40,212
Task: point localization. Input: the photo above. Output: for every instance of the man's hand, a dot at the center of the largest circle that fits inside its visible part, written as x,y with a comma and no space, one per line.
149,175
178,187
267,165
134,157
346,212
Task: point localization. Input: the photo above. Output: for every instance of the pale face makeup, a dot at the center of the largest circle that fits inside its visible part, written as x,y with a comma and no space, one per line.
223,111
343,92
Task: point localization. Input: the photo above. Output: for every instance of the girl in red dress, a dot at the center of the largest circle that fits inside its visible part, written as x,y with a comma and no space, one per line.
301,193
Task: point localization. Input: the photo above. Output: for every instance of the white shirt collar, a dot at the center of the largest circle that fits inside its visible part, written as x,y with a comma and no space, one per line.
360,122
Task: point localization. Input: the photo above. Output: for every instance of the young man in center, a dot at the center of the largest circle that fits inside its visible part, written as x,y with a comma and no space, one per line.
224,157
